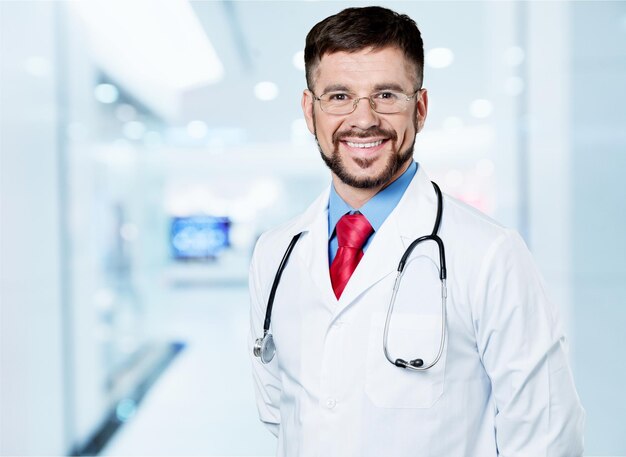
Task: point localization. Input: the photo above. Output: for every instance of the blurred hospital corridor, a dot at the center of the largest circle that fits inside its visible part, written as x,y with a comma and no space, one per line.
201,405
146,145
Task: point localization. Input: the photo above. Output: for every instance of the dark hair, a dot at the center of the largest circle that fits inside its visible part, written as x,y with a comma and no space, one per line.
355,29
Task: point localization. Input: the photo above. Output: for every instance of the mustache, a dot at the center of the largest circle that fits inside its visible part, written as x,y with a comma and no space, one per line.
372,131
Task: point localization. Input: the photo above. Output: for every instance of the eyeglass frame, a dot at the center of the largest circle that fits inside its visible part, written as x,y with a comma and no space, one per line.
356,101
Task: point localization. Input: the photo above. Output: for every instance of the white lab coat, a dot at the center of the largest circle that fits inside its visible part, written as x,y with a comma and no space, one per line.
502,387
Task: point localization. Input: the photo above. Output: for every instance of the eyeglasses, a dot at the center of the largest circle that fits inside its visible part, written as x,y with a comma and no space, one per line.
383,102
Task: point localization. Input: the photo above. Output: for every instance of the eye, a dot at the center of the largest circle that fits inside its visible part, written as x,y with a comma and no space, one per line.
387,96
337,97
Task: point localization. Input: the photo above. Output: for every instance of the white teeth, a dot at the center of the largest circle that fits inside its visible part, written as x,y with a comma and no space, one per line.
364,145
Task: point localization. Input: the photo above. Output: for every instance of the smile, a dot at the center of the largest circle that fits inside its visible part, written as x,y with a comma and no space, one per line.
364,145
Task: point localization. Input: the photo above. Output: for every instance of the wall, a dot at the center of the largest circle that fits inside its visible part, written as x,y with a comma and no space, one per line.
31,390
598,136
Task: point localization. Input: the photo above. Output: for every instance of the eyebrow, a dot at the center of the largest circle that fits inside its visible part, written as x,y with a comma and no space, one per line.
388,86
336,88
377,88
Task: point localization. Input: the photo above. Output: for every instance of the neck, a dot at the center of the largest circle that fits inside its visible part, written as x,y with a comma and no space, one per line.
357,197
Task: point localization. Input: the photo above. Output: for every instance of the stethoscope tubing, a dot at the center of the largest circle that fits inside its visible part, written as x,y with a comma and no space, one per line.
415,364
261,344
279,273
418,364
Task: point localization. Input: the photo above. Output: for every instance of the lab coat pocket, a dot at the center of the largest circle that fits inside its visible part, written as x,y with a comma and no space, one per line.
410,336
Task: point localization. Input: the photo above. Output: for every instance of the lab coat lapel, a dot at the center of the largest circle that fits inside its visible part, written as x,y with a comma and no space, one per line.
413,217
313,252
417,217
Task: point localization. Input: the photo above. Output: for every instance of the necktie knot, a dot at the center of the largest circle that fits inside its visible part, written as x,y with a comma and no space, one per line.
353,230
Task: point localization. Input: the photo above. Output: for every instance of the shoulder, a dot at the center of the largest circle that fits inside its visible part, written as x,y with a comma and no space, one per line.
461,220
476,243
271,244
273,239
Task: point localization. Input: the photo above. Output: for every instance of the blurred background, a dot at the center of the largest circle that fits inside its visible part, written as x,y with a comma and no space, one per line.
145,145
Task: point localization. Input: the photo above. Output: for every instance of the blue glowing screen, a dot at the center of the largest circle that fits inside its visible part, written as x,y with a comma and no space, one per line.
199,237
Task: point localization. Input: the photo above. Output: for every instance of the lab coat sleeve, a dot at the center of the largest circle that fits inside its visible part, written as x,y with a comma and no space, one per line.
266,380
523,350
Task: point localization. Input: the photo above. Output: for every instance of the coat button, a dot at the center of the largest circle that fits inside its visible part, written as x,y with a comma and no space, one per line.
331,403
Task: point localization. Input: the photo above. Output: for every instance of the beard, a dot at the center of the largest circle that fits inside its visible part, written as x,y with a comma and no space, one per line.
394,163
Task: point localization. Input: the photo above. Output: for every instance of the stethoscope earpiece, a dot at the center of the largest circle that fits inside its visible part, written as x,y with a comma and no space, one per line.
416,363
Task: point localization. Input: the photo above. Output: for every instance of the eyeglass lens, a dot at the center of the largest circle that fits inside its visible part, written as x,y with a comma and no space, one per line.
383,102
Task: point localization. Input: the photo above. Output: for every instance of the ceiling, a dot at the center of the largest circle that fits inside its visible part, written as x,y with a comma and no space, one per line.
256,41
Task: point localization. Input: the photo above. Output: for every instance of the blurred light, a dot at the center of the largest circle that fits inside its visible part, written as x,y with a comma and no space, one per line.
266,91
119,155
514,85
102,332
77,131
37,66
454,179
240,236
152,138
298,60
475,139
128,344
134,130
197,129
106,93
453,123
439,57
265,192
194,199
171,55
125,409
300,132
126,112
122,144
103,299
481,108
217,145
485,168
129,231
514,56
172,48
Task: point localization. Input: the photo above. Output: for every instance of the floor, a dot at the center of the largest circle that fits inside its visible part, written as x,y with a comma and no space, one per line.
203,404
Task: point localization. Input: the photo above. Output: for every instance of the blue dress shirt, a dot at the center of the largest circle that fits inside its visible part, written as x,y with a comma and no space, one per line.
375,210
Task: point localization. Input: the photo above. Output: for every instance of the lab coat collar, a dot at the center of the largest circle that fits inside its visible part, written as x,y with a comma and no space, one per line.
414,216
310,219
312,250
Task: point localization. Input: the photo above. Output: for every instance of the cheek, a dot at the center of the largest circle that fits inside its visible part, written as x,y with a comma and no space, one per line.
411,127
327,130
405,138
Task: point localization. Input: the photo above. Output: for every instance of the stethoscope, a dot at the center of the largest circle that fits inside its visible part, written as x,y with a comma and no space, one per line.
265,349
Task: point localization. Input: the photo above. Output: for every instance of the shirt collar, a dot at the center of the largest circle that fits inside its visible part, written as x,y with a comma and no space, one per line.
377,208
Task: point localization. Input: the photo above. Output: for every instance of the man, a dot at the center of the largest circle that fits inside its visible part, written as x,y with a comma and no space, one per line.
347,379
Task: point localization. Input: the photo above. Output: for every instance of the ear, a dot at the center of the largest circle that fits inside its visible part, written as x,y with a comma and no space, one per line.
422,109
307,109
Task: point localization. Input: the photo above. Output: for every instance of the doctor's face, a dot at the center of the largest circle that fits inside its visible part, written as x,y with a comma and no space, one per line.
365,149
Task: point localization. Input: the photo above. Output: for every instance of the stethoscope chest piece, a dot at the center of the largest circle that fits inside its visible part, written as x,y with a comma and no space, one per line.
264,348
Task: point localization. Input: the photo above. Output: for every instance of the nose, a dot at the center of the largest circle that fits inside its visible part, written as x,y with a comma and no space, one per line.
363,116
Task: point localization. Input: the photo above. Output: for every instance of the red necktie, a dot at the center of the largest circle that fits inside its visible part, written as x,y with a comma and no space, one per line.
353,230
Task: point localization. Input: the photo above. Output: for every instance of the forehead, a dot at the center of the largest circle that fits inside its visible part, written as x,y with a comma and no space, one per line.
365,69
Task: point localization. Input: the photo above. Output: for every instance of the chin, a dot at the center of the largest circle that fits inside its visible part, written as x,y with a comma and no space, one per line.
366,173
